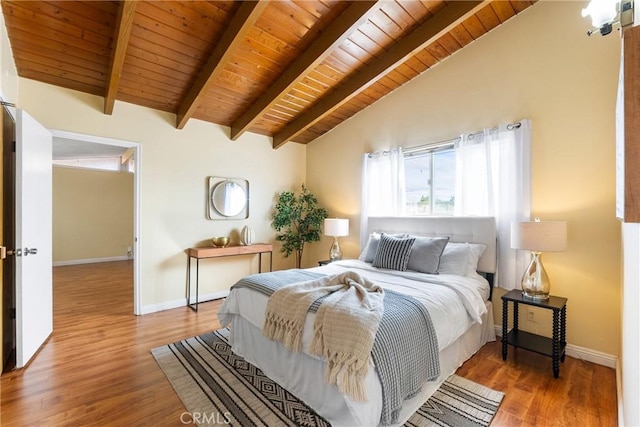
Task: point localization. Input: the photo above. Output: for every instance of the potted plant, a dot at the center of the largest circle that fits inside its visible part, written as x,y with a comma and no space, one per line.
297,219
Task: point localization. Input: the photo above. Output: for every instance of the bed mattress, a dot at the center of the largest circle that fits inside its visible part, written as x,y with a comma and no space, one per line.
462,319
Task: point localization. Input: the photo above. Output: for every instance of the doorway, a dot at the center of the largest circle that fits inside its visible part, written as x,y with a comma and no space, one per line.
13,296
8,266
79,145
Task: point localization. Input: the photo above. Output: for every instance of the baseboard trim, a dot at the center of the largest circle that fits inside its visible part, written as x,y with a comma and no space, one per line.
90,260
182,302
583,353
594,356
153,308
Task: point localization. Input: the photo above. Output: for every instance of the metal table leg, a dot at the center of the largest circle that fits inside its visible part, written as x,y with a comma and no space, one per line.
193,307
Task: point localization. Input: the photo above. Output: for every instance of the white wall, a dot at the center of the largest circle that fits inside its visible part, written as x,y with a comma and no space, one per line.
631,324
174,168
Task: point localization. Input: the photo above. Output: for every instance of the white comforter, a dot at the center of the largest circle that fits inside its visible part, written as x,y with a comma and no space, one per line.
454,303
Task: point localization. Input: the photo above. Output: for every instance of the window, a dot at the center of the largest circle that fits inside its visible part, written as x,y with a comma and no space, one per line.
488,173
100,163
430,181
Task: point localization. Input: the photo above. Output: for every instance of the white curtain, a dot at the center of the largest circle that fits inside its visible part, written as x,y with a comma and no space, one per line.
383,186
493,178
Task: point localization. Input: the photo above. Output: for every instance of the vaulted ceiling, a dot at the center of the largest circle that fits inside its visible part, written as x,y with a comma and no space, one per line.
291,70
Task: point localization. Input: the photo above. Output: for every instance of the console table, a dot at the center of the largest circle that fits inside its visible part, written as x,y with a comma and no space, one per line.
213,252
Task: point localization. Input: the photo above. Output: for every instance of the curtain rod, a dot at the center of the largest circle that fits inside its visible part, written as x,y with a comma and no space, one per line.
378,153
444,143
432,145
447,142
510,126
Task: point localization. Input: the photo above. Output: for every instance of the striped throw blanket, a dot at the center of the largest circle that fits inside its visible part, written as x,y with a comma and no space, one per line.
344,329
405,350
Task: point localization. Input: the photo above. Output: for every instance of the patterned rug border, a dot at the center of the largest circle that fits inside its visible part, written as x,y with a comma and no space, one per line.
218,387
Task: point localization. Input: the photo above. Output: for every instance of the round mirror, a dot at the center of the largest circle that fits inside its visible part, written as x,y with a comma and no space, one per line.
228,198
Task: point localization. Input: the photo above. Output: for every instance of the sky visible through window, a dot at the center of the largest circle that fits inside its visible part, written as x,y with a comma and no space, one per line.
423,184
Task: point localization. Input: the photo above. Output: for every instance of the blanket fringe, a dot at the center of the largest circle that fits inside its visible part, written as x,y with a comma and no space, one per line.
344,328
345,370
288,332
317,345
348,373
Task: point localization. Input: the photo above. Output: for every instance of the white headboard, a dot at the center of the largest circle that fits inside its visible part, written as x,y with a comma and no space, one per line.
472,229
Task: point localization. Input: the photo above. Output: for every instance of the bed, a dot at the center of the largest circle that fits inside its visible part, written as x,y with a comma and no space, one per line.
458,301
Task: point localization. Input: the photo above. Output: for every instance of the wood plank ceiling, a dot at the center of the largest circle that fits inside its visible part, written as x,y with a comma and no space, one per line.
291,70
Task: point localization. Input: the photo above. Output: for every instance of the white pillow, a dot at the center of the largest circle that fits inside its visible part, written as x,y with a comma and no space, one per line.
461,259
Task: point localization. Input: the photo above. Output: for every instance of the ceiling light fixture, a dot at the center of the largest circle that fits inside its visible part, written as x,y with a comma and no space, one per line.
607,13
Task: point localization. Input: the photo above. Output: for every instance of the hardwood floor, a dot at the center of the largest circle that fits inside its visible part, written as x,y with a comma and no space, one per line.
97,369
583,395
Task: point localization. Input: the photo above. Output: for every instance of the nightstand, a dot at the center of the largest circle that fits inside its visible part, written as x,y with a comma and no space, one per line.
324,262
553,347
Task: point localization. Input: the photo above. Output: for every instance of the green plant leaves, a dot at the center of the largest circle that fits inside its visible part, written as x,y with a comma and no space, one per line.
297,219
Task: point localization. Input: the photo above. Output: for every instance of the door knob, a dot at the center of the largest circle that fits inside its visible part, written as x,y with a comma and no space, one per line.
4,252
17,252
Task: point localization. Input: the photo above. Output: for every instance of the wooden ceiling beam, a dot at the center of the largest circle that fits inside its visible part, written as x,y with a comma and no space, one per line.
124,22
446,19
241,23
333,36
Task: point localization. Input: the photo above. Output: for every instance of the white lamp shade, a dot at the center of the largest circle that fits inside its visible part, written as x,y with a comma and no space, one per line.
539,236
336,227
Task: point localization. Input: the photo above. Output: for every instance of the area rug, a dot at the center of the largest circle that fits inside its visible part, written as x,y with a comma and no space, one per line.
220,388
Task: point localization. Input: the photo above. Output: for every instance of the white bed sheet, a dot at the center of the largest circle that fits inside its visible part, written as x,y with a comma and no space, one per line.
462,320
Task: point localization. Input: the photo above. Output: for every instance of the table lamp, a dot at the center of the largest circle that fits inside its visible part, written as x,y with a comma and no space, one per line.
336,227
537,237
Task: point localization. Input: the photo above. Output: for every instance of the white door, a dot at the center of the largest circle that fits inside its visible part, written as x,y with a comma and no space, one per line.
34,290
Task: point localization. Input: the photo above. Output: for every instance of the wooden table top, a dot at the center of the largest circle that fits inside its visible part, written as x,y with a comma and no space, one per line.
213,252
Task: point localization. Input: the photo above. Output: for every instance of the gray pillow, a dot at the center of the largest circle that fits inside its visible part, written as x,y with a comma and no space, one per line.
393,252
426,253
370,249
